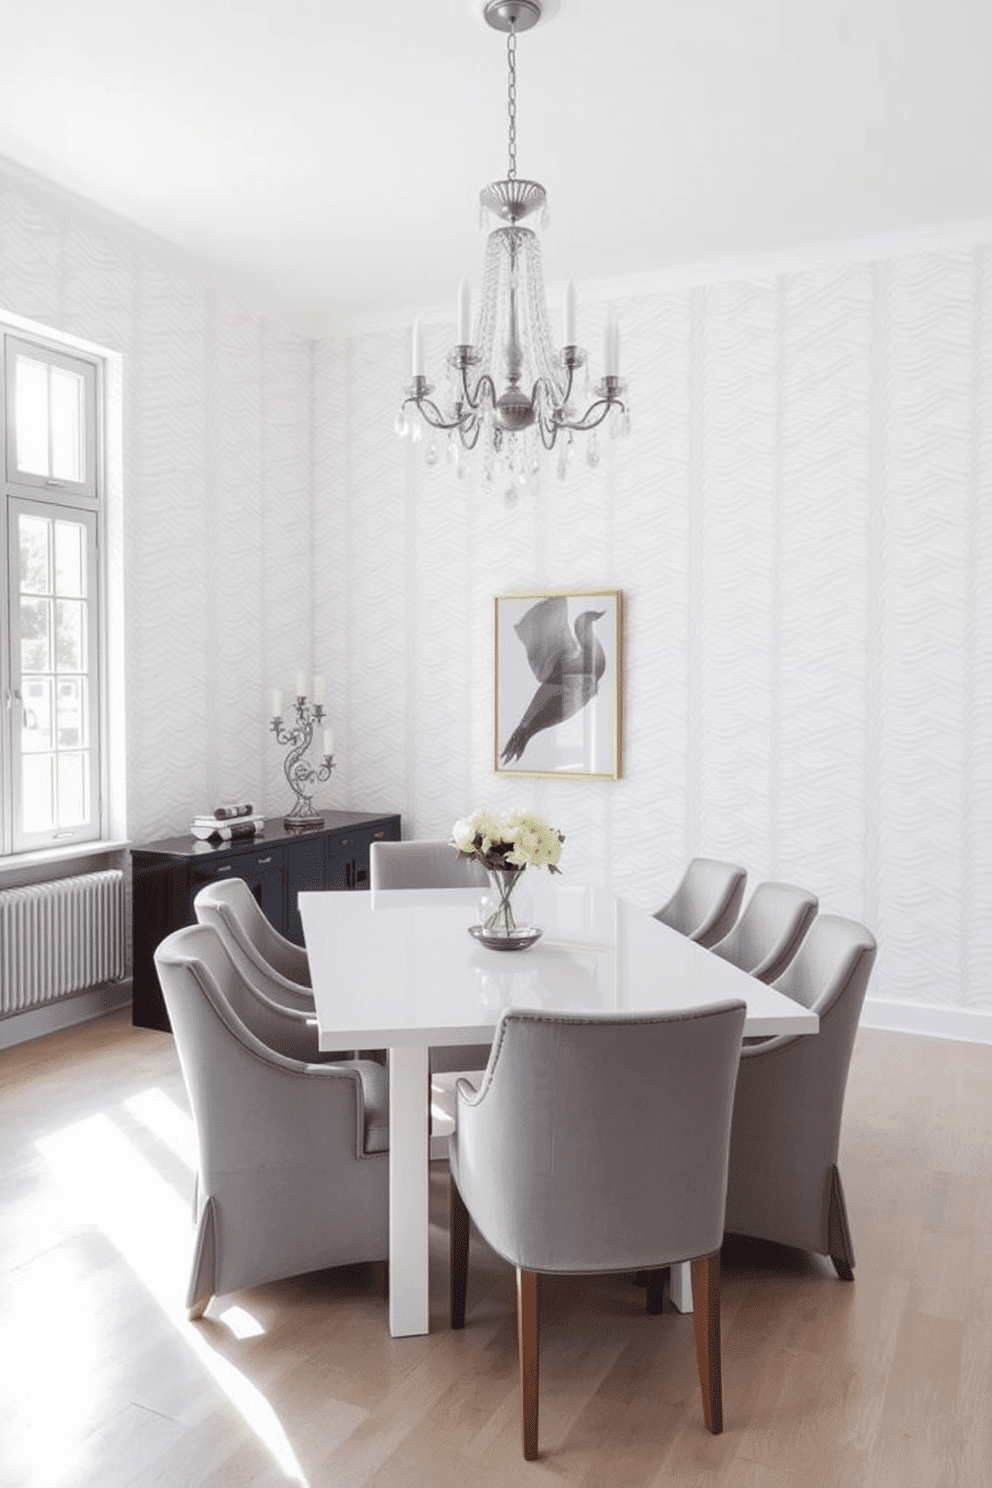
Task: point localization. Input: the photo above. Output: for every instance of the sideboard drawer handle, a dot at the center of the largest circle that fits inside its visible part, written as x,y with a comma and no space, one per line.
227,869
265,860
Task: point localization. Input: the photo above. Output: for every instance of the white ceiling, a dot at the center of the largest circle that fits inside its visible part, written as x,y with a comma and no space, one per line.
331,151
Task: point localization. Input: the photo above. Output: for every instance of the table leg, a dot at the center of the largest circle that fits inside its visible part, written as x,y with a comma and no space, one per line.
409,1177
681,1287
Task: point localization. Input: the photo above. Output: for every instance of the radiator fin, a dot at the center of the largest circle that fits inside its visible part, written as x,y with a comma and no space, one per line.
59,938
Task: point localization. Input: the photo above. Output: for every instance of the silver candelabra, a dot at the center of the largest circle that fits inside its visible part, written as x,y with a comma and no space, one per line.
299,772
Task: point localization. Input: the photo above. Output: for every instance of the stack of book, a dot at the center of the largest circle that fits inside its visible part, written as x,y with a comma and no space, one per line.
227,824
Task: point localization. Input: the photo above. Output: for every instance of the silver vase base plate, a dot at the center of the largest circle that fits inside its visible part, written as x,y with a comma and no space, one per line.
512,940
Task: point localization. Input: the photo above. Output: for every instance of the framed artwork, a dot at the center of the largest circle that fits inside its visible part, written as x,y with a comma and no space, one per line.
558,697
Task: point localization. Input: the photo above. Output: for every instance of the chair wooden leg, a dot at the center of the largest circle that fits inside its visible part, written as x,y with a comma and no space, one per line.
658,1284
706,1321
527,1341
458,1228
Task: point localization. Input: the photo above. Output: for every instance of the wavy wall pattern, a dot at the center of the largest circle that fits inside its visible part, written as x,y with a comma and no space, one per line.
802,528
801,525
218,553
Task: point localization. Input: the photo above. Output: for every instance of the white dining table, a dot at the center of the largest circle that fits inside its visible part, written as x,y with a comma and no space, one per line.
399,970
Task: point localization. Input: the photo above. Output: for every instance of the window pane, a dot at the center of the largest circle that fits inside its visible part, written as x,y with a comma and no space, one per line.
36,715
67,395
70,564
36,635
31,416
73,794
70,635
38,792
72,721
36,559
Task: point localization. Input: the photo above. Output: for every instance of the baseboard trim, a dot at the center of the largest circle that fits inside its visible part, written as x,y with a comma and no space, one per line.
967,1025
34,1023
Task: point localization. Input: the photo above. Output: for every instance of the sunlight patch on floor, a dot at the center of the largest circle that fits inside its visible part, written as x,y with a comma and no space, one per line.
112,1186
154,1109
240,1322
58,1323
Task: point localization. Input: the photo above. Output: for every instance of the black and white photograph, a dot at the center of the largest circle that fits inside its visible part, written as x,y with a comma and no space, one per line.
557,685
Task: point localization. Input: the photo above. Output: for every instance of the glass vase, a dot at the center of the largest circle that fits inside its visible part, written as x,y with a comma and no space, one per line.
504,912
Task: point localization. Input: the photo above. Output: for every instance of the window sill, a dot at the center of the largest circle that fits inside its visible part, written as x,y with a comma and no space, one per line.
16,862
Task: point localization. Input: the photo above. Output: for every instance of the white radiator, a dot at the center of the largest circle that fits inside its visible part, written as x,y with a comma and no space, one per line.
59,938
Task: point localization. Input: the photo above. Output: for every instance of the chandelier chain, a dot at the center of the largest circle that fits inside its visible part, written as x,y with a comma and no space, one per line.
511,98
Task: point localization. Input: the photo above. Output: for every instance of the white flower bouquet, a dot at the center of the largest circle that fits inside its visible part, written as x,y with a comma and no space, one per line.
508,841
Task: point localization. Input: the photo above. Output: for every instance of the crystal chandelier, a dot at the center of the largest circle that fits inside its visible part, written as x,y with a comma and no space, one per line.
509,392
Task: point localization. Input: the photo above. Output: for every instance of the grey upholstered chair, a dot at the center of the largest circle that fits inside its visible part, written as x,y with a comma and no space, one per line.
706,902
599,1143
432,864
769,932
293,1160
232,909
784,1183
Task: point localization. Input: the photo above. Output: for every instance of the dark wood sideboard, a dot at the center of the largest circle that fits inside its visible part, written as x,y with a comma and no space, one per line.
276,865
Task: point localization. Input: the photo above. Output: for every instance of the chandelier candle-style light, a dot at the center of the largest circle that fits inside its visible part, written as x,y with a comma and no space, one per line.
509,391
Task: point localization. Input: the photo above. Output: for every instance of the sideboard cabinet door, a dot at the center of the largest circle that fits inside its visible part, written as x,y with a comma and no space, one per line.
304,870
263,872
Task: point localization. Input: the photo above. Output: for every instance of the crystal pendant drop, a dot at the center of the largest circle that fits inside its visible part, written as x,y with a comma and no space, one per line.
402,424
430,454
592,451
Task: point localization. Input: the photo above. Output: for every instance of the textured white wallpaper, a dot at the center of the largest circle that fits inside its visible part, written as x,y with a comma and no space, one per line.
802,527
218,552
801,523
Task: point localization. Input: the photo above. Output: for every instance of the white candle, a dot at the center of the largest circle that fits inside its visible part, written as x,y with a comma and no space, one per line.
277,704
301,683
328,741
571,307
417,350
611,347
464,337
318,688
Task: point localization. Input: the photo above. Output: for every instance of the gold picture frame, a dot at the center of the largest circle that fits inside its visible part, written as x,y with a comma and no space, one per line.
558,699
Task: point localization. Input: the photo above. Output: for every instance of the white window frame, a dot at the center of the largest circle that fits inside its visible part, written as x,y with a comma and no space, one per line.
76,501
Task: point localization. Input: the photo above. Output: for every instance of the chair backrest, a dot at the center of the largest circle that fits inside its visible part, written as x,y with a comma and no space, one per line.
248,1009
833,962
231,908
769,932
600,1143
204,999
706,902
423,865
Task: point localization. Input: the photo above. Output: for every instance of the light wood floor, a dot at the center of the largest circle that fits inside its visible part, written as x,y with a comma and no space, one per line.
886,1382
